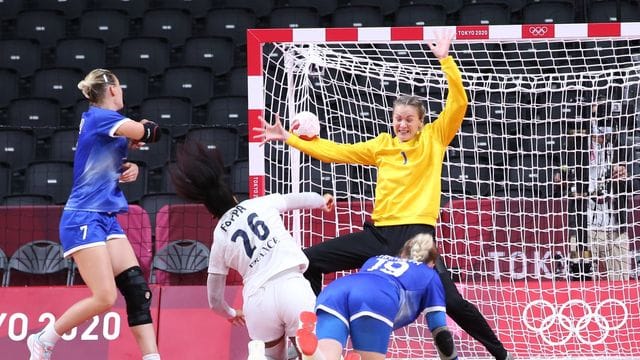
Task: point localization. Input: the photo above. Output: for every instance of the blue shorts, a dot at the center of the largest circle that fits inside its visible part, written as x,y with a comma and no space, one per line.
84,229
363,307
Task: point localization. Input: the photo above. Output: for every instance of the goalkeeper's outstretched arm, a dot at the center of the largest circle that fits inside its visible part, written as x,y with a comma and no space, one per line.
451,117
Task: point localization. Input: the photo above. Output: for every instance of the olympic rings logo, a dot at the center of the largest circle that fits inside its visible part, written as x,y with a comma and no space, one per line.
564,317
538,30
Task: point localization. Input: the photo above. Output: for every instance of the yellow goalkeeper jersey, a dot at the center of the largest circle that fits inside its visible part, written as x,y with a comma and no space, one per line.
408,185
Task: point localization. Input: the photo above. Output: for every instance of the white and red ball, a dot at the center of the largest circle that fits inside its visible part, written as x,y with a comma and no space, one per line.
306,125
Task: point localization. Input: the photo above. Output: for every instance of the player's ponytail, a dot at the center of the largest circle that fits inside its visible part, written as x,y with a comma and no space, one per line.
199,176
420,248
94,85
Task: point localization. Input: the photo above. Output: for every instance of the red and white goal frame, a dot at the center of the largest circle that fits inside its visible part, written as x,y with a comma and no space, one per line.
536,316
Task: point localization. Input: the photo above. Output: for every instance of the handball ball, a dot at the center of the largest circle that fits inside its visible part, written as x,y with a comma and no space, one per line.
306,125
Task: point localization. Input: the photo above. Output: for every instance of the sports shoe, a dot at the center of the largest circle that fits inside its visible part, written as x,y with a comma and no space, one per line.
308,320
39,350
307,342
509,357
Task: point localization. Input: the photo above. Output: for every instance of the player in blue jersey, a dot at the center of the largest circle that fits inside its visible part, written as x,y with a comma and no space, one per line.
89,229
386,294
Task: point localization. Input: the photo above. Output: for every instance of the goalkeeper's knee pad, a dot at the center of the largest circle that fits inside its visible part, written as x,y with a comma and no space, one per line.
137,295
444,343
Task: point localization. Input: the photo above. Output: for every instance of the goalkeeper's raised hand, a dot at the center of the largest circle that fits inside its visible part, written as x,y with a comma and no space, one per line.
270,132
440,46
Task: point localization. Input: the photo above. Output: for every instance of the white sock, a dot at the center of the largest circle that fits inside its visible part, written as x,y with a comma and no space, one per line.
49,335
154,356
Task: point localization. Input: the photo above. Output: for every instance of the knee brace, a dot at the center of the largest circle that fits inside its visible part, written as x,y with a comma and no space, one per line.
137,295
444,343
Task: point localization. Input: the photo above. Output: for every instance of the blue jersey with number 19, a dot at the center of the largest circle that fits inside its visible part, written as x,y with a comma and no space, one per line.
252,239
391,289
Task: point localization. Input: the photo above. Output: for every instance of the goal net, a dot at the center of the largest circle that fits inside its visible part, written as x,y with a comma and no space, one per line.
540,215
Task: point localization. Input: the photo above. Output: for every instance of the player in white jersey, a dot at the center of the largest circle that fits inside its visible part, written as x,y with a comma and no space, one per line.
250,238
89,230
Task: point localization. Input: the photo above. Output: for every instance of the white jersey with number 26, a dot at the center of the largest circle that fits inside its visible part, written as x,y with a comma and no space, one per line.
251,238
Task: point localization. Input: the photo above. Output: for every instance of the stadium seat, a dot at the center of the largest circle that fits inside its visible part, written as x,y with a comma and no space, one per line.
228,111
484,14
70,8
192,82
450,6
607,11
170,112
153,155
549,11
529,175
420,15
260,7
111,26
387,7
240,179
17,148
42,115
45,26
5,179
465,176
53,178
215,53
323,177
26,200
85,54
11,83
135,9
236,82
60,84
224,139
9,9
230,22
174,25
166,184
294,17
134,190
134,82
43,257
181,257
323,7
197,8
21,55
153,202
357,16
149,53
475,55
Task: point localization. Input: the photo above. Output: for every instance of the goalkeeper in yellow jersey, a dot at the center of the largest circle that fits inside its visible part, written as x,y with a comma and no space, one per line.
407,200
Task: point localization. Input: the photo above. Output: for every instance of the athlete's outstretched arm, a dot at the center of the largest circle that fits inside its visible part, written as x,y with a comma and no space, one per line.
215,291
307,200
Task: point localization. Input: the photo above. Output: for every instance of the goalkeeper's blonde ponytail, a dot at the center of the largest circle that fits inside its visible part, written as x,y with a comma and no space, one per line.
420,248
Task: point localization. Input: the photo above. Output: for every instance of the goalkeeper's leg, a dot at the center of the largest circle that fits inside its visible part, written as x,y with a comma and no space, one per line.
468,317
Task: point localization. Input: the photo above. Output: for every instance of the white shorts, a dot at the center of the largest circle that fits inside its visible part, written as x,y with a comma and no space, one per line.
274,309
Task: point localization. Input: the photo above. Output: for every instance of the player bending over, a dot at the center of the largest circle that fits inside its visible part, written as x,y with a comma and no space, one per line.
386,294
251,238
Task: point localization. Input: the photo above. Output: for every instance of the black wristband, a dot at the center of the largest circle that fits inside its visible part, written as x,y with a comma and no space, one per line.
151,132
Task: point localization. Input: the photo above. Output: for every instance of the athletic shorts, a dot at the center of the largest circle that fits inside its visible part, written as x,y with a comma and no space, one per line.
274,308
355,296
84,229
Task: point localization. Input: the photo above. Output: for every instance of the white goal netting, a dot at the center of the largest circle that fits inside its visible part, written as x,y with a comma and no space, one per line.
543,169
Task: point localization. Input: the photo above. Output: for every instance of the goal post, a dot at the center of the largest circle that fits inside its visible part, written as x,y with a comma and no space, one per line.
523,182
